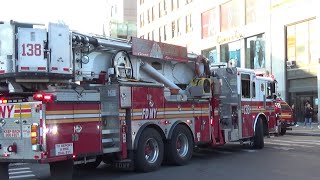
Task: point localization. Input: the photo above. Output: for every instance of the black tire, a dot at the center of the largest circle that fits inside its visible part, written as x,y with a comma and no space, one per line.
180,148
61,170
151,141
257,141
4,171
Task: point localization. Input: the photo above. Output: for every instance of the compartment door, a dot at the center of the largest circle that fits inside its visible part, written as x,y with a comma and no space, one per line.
6,48
60,48
31,44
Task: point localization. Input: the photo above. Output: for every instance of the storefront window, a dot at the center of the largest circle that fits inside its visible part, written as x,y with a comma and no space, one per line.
231,52
211,54
255,52
303,43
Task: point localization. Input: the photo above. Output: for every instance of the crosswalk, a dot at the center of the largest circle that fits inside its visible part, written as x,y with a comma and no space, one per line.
291,143
18,172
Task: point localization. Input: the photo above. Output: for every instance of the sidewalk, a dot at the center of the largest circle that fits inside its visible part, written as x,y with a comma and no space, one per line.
304,131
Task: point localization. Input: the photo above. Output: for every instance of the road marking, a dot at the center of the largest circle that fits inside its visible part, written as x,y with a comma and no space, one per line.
22,176
283,148
249,150
24,172
286,144
18,169
20,172
296,141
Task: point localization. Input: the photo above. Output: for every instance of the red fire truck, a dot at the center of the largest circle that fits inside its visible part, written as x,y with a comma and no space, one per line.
75,99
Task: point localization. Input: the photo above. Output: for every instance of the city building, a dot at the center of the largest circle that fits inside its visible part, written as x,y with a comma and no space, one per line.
295,42
274,37
121,19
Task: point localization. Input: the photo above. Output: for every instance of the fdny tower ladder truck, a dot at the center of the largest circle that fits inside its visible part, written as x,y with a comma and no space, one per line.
71,99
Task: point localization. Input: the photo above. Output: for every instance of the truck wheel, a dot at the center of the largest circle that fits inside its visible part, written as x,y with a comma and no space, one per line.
149,154
4,171
257,142
180,147
61,170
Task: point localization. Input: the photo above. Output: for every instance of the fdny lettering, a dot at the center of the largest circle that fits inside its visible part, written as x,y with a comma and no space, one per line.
6,111
149,113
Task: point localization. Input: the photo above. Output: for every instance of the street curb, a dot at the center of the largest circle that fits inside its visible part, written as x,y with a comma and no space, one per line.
302,134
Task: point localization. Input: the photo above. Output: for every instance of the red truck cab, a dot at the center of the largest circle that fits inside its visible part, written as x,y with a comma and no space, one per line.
284,116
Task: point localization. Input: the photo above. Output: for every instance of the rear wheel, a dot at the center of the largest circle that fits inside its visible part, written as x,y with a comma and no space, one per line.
257,141
180,147
4,171
149,154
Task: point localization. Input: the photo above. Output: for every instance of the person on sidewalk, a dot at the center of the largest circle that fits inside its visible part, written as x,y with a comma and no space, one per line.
308,115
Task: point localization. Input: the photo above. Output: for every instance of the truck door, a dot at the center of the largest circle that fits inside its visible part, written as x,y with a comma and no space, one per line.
31,43
246,106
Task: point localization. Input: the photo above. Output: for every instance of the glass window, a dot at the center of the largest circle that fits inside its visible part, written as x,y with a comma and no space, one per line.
253,90
291,43
211,54
245,85
230,15
208,20
303,43
255,11
255,52
173,25
165,32
231,52
178,26
188,23
152,11
314,43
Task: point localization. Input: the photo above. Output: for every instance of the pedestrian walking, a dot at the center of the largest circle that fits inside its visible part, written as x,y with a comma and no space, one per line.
308,115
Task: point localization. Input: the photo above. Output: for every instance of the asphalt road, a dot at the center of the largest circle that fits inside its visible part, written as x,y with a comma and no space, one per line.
283,158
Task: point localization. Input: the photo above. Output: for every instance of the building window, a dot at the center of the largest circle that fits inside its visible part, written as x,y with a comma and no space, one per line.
159,10
255,11
165,32
208,21
230,15
148,14
178,3
211,54
173,25
231,53
141,2
141,20
160,34
173,5
255,52
152,12
178,27
188,23
302,43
